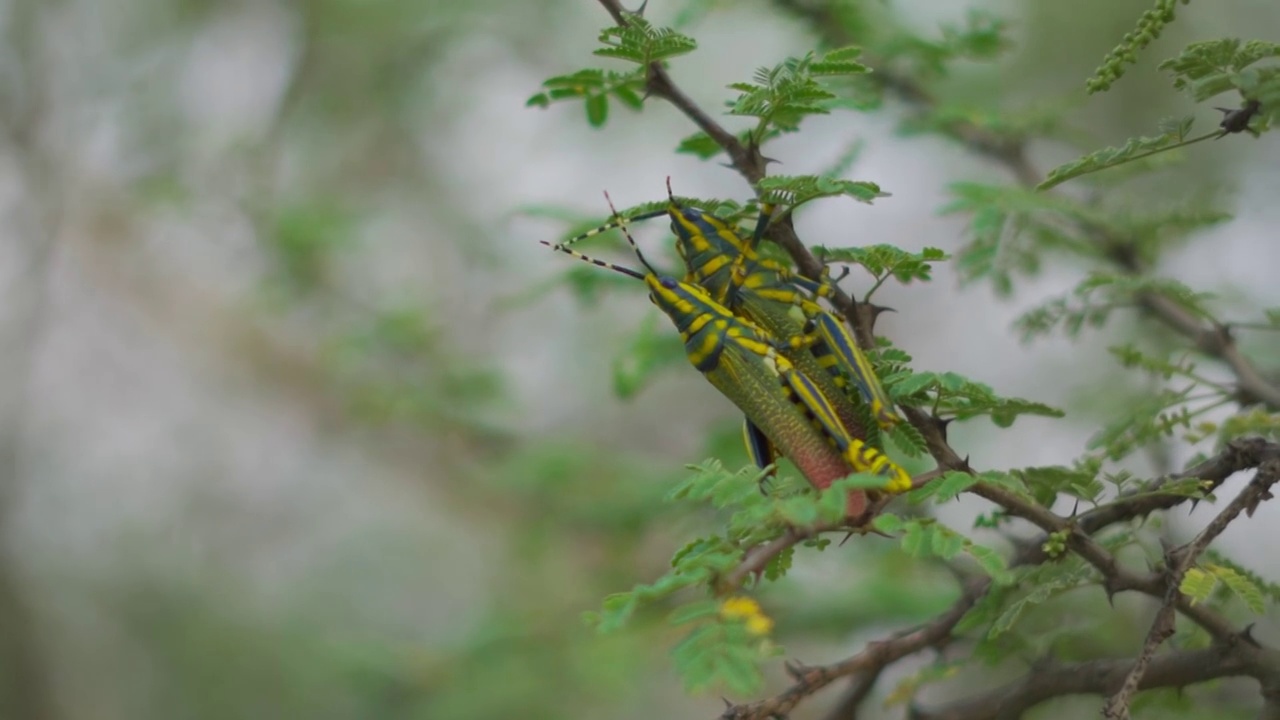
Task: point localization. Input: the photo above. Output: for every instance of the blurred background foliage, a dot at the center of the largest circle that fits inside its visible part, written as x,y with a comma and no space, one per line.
294,424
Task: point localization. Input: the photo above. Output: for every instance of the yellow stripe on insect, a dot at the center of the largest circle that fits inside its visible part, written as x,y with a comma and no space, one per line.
865,458
841,343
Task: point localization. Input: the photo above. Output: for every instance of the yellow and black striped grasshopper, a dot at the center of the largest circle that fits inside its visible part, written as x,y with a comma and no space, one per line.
743,361
765,292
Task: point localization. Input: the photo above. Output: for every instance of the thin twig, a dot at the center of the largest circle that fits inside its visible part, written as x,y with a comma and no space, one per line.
1048,680
757,558
876,656
1181,560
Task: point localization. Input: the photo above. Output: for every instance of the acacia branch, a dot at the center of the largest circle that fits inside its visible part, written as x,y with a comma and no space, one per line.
758,557
1098,677
875,657
1180,561
1239,455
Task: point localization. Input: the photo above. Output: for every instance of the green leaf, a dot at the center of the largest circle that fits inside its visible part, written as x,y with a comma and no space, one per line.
886,260
701,145
597,110
593,86
1134,149
916,382
617,610
1047,482
1041,591
889,523
642,43
950,485
784,95
800,511
1269,589
1093,300
917,540
796,190
740,674
947,544
1012,226
1214,66
1197,585
909,440
1241,585
779,565
717,653
991,561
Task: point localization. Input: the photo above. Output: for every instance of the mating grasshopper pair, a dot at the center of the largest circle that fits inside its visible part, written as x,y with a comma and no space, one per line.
801,384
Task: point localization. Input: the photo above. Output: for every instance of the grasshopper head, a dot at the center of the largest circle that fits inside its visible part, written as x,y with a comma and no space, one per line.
683,302
666,292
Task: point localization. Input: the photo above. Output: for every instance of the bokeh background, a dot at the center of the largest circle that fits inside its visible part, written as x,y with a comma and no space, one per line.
298,420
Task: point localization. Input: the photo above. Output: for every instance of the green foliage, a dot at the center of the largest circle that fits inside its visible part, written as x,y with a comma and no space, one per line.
1025,617
1222,567
885,261
1200,582
642,43
799,189
782,96
926,537
952,395
1203,69
1149,28
1145,420
1011,227
639,42
945,488
1173,135
1045,587
1092,301
719,653
594,87
1209,68
1048,482
908,439
705,147
1255,421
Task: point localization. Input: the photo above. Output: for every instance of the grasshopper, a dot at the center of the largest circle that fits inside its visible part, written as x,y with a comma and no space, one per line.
783,406
764,291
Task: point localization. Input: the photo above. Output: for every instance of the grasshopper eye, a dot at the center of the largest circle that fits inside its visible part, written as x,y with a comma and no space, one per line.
668,283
